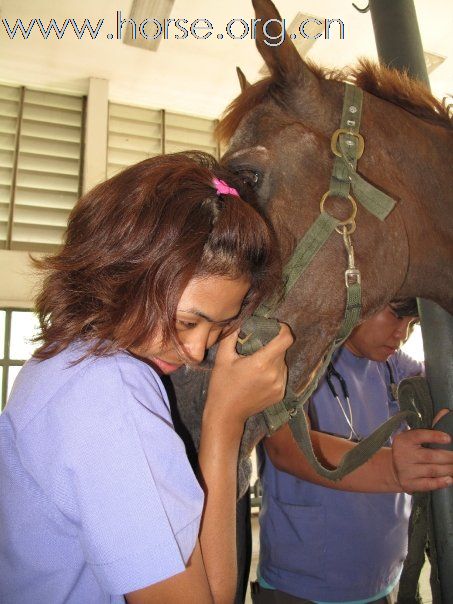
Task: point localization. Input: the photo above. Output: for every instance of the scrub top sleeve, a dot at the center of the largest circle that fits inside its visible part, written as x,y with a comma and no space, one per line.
405,366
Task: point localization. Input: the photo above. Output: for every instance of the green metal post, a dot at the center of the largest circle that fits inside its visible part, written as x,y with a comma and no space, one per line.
399,46
397,35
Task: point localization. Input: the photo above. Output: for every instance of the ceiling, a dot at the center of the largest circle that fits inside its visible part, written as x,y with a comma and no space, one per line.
189,75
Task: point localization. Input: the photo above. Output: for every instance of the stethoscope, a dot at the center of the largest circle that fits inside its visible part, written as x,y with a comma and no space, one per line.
331,373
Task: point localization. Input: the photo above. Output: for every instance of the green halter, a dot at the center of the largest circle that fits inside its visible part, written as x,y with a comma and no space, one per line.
347,144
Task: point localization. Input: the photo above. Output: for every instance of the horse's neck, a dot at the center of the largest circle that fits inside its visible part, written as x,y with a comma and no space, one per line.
413,165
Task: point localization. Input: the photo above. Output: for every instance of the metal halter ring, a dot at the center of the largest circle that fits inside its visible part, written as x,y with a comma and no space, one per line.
349,223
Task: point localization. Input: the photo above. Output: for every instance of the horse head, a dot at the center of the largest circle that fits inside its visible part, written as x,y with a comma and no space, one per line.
279,132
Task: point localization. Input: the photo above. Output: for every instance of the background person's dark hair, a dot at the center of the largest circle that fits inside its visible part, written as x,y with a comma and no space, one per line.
405,308
134,242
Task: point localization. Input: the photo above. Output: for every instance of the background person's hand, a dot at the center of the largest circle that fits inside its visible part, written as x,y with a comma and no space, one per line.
418,468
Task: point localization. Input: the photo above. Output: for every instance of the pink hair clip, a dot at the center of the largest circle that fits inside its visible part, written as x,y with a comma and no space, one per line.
223,189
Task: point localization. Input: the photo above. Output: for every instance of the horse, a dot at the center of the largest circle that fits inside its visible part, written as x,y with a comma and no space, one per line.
279,133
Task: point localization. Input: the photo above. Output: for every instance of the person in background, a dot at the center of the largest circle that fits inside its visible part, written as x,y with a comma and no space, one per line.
98,500
346,542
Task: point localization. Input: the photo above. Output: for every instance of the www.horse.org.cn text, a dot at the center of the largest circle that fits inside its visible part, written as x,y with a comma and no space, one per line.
274,30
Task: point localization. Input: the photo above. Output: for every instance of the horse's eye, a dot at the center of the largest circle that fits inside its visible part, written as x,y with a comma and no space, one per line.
250,177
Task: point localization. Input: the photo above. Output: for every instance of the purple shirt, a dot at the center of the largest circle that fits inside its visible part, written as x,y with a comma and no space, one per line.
335,546
98,498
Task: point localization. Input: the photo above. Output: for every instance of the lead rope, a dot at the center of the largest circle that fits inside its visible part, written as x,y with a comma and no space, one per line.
347,145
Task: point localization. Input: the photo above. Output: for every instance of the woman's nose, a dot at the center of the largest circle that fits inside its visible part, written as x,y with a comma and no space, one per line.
196,345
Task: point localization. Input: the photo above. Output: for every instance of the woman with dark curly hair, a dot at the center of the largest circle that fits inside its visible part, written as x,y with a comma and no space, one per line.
99,503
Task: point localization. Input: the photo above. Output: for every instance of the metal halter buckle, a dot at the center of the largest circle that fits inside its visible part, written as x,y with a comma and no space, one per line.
334,142
352,276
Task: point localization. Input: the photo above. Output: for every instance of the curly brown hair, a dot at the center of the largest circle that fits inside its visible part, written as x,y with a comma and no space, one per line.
134,242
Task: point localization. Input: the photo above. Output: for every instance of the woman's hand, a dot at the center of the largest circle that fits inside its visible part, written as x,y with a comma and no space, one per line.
418,468
241,386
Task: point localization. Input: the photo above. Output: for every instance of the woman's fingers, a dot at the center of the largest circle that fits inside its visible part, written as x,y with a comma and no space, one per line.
227,347
248,384
274,349
278,345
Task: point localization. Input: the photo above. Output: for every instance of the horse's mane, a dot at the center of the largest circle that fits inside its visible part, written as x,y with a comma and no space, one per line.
388,84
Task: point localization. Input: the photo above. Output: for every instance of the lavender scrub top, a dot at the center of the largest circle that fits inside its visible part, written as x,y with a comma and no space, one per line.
97,496
336,546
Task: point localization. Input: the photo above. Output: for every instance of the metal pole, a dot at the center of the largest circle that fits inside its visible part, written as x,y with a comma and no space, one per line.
397,35
437,331
399,46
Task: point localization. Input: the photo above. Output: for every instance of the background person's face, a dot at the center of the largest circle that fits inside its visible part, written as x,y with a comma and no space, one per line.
380,336
207,307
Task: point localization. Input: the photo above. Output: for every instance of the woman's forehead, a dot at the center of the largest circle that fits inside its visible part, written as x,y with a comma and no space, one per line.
214,298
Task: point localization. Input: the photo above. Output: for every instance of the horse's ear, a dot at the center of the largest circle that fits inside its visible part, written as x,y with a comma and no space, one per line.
242,79
277,50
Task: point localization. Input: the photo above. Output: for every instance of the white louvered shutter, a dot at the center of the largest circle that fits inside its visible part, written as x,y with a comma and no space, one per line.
9,116
136,133
185,132
48,169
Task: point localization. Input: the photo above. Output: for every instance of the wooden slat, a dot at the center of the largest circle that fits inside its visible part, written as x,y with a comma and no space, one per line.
136,143
175,146
141,114
6,158
139,129
51,115
8,125
44,217
53,100
189,122
9,108
49,147
126,157
46,199
9,93
32,233
43,163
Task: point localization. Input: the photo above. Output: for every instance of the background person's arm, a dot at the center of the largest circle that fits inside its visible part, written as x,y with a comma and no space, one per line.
406,466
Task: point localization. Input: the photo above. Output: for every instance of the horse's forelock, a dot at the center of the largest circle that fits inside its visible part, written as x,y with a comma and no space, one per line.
242,104
249,99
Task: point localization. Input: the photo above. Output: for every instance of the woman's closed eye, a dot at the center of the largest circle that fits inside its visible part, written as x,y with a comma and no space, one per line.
182,324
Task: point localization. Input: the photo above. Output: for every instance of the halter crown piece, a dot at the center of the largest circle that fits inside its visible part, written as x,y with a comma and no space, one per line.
222,188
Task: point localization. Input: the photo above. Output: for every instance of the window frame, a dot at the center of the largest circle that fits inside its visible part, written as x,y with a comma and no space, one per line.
6,362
